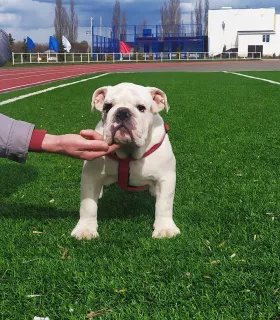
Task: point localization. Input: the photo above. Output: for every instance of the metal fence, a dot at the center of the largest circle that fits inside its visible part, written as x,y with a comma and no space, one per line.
149,38
68,58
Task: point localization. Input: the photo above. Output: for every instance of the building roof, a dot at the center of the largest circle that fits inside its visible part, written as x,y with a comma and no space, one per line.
257,32
230,8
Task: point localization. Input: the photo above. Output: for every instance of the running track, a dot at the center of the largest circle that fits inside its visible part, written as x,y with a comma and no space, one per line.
19,78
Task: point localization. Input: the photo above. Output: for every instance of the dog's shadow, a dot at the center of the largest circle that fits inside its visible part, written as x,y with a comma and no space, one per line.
117,203
13,176
114,205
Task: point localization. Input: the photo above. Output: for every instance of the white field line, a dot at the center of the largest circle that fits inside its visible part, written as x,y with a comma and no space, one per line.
50,89
251,77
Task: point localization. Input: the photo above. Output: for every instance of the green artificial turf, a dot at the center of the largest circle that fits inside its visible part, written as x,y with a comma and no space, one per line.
225,264
270,75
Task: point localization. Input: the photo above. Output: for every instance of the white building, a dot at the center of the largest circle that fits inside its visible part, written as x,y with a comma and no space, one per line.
245,30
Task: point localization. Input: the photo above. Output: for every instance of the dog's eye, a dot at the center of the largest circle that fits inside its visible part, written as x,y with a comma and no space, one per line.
107,107
141,108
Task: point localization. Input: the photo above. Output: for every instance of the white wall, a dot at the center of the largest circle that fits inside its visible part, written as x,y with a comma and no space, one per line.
236,20
269,48
276,38
277,24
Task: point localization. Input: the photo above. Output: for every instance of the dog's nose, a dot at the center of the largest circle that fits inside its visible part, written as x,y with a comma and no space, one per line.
123,114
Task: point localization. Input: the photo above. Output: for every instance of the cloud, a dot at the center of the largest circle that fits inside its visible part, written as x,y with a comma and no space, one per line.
9,19
187,7
25,14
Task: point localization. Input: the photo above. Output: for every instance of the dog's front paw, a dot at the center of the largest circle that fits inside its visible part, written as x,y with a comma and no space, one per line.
165,228
85,229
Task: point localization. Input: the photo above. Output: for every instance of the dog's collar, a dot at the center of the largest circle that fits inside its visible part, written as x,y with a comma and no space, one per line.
123,171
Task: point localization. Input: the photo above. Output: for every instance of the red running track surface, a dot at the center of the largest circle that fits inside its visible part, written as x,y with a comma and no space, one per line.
14,79
18,78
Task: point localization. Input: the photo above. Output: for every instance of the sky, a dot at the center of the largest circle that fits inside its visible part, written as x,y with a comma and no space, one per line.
34,18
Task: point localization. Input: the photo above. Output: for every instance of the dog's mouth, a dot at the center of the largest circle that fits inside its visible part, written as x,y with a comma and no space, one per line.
122,134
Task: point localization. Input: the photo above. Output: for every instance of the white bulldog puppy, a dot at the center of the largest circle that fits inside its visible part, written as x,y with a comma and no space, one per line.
130,117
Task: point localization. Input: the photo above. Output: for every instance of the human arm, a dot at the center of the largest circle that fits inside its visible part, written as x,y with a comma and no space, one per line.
17,138
76,146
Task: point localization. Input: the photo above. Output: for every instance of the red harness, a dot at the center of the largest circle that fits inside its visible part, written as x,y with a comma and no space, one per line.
123,181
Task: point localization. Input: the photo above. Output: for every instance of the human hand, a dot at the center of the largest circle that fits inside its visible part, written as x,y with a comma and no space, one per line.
76,146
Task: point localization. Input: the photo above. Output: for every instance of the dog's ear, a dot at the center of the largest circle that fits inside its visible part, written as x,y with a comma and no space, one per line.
160,100
98,98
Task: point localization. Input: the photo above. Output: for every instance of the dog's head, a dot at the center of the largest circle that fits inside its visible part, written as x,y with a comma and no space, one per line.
128,111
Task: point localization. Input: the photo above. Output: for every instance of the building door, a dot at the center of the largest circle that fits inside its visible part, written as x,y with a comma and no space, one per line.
259,49
253,51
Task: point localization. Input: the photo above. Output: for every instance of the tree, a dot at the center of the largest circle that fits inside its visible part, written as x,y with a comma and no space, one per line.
61,49
171,17
175,15
198,17
164,19
73,23
80,47
61,21
206,9
25,46
143,25
116,19
124,27
11,39
192,24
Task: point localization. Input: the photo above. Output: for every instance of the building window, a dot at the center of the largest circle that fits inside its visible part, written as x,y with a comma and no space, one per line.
266,38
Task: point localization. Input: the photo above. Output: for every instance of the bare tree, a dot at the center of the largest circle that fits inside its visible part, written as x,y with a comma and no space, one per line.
192,24
175,15
116,19
164,19
124,27
141,27
144,23
171,17
198,17
183,29
74,23
206,9
61,21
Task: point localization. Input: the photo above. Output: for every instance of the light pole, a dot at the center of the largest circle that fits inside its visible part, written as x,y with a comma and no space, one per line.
91,34
101,26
